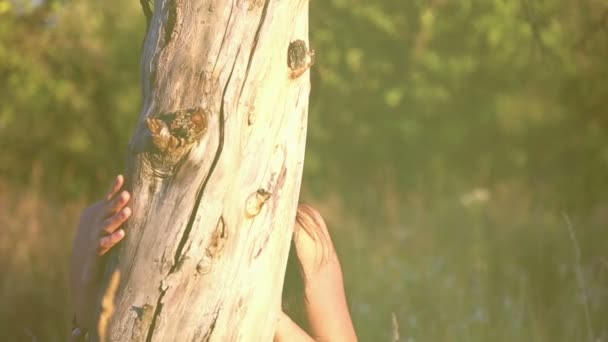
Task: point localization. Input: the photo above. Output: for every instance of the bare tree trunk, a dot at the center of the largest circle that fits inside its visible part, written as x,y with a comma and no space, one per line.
215,168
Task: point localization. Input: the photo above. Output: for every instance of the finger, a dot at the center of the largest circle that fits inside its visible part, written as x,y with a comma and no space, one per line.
108,241
117,203
118,183
113,222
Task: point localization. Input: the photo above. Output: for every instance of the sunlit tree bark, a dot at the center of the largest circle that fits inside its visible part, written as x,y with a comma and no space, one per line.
214,167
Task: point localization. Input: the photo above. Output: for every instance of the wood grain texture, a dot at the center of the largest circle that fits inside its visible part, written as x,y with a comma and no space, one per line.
214,167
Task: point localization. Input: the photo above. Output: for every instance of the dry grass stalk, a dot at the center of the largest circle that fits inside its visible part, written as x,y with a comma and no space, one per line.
579,276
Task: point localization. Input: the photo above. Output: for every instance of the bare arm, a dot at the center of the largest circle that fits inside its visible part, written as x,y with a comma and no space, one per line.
325,301
289,331
325,304
98,231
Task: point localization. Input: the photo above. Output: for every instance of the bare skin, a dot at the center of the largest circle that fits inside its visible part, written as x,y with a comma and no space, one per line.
325,301
98,230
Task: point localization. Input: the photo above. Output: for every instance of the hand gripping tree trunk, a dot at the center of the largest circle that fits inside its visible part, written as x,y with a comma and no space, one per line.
214,167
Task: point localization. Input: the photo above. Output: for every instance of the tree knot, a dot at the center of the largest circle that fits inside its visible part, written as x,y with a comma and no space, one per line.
179,129
254,203
173,134
299,59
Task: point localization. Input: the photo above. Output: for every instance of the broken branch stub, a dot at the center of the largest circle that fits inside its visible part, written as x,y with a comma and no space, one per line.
174,133
299,59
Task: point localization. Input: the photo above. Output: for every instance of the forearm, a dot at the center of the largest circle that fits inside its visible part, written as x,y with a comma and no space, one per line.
83,284
289,331
325,300
98,231
84,300
326,305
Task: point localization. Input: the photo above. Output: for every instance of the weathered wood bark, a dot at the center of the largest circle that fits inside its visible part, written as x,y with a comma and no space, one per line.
214,167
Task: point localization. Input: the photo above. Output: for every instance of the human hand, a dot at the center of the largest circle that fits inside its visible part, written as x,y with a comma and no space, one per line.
100,226
325,304
98,231
314,247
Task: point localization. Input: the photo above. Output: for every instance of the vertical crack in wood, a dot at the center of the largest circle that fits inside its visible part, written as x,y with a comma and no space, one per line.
254,45
182,248
201,189
142,322
157,310
199,194
209,332
223,38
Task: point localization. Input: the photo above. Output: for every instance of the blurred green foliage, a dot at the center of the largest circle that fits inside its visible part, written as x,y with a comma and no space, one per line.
446,141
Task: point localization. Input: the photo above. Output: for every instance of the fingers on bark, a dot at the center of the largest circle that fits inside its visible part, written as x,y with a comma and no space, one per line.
113,222
116,185
108,241
117,203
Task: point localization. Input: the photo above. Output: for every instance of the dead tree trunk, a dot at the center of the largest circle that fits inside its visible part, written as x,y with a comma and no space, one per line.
214,167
